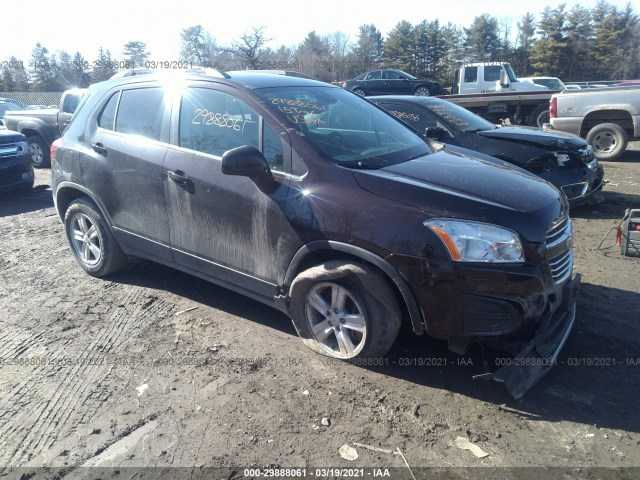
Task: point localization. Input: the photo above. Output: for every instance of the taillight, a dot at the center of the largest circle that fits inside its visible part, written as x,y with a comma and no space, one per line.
344,84
553,107
54,148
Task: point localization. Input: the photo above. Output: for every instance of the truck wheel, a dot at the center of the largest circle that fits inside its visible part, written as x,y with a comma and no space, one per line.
39,152
345,310
422,91
539,116
92,243
608,140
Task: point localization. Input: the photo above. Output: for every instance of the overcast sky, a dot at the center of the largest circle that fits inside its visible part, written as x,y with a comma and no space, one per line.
85,25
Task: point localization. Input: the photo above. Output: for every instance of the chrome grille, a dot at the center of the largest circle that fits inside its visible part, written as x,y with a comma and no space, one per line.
559,253
8,149
561,266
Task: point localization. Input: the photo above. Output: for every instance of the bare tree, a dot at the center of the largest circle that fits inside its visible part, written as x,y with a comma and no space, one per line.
249,47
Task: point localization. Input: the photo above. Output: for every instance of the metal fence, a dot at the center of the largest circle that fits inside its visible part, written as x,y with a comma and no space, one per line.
34,98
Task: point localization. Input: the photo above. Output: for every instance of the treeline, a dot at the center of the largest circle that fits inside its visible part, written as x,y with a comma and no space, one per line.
576,44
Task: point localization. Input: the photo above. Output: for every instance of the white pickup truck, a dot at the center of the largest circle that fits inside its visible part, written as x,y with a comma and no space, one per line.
493,91
606,117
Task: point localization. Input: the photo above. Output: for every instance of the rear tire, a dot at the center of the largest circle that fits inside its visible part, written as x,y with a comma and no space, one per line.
539,116
345,310
91,240
608,141
359,91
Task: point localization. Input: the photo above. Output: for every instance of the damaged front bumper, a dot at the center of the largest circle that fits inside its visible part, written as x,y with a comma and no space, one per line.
541,353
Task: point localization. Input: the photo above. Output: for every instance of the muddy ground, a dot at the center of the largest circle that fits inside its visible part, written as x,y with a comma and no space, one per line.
155,368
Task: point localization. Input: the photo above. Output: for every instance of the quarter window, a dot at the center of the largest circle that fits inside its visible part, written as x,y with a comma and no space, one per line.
140,112
375,75
107,116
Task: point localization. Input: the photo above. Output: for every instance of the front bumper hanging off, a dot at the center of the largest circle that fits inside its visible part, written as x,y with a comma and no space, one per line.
541,353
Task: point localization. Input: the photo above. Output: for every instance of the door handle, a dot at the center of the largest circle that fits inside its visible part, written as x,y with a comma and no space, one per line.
179,177
99,149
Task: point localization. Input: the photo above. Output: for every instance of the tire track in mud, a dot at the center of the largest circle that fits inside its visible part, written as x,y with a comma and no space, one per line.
55,403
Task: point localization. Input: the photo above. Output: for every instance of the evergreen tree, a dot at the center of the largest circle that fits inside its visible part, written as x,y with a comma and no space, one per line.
135,53
482,43
399,48
580,43
549,55
524,44
369,51
43,70
103,68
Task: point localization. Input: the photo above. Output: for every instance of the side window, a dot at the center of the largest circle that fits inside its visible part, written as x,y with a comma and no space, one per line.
272,149
492,73
213,122
470,74
70,102
140,112
375,75
107,117
412,116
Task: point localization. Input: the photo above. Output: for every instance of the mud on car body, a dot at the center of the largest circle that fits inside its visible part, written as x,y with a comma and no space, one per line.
312,200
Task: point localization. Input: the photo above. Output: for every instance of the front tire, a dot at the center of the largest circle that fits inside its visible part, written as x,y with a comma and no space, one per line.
345,310
39,152
91,240
608,141
422,91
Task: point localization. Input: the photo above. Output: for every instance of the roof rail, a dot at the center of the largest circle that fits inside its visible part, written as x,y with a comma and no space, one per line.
211,72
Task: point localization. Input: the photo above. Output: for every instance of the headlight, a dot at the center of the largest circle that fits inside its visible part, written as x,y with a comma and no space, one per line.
469,241
593,164
22,148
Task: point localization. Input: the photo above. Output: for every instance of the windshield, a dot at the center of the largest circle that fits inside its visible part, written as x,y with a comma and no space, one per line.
458,118
5,106
551,83
510,72
346,128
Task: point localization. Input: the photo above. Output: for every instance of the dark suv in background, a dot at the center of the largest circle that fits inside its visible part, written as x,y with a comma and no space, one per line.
312,200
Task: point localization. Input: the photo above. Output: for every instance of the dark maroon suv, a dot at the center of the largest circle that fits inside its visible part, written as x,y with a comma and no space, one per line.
312,200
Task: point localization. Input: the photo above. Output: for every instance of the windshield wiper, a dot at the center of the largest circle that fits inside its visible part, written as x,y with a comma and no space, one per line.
367,163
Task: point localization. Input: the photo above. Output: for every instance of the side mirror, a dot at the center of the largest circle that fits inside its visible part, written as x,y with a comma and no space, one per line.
504,80
436,133
248,161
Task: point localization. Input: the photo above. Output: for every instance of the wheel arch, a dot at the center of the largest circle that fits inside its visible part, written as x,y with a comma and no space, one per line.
319,251
596,117
67,192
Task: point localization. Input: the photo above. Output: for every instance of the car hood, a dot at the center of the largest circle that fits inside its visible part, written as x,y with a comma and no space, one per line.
455,185
536,137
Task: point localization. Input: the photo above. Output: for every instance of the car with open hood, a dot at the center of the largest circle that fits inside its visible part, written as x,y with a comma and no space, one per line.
312,200
560,158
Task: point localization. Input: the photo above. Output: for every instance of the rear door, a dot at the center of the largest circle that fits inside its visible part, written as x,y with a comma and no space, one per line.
224,226
127,143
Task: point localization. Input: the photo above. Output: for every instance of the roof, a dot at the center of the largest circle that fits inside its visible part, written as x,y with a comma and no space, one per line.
250,79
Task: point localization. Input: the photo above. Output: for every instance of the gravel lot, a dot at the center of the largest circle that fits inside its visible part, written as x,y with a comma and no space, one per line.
155,368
